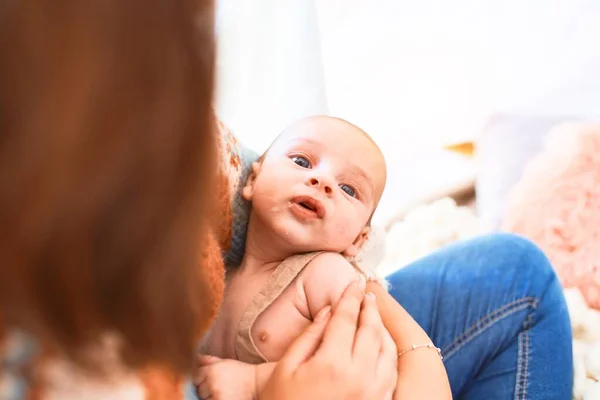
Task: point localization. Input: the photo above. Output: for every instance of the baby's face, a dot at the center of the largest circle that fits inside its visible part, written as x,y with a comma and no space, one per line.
318,186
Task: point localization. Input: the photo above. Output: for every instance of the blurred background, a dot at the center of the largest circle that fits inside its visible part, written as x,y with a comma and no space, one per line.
418,76
411,73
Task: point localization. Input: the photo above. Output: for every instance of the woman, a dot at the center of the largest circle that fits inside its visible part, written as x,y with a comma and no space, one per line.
106,159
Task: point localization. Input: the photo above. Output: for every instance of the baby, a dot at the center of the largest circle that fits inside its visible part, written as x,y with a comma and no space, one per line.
313,194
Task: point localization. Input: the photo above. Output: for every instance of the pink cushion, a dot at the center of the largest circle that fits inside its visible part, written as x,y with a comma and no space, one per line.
557,205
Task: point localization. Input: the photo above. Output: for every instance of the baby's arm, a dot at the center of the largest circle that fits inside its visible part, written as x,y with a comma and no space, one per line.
222,379
325,279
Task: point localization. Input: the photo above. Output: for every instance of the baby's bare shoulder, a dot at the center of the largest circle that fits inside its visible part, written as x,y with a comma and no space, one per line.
326,277
326,264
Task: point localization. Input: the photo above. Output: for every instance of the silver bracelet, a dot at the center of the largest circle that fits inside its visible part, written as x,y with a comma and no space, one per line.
419,346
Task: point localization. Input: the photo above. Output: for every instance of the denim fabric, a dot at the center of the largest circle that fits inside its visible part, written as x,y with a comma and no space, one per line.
496,309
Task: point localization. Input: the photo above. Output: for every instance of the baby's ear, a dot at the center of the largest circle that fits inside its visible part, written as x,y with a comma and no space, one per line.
248,189
360,240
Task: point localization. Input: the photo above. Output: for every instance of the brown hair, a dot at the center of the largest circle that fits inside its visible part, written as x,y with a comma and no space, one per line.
106,154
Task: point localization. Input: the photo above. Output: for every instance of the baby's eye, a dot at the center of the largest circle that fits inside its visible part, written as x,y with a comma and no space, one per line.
348,189
301,161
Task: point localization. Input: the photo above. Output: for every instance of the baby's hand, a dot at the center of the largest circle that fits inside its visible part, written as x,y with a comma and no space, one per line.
219,379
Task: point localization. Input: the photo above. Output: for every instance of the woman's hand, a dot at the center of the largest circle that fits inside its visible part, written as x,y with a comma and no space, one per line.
346,354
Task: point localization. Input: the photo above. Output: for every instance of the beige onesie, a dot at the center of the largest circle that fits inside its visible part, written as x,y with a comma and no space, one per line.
284,275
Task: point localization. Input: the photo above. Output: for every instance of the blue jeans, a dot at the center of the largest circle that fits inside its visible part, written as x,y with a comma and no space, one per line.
496,309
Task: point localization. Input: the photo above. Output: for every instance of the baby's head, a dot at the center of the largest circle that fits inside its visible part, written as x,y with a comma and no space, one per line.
317,186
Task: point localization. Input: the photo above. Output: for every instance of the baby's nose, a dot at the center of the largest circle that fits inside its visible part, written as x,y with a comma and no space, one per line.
321,183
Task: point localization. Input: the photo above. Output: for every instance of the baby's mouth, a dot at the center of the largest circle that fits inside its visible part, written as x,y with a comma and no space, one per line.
308,206
311,205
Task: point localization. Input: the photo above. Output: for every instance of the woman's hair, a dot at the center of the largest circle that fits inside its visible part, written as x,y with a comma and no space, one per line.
106,159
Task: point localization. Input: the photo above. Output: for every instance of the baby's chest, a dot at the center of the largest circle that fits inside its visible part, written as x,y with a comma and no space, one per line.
280,324
273,330
221,339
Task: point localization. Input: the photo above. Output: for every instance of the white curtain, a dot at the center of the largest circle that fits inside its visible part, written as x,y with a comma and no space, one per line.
270,71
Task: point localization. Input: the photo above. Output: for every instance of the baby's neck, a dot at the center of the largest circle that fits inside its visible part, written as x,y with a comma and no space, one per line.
252,265
264,251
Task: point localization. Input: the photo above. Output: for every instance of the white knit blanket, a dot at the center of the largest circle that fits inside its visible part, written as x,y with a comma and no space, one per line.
427,228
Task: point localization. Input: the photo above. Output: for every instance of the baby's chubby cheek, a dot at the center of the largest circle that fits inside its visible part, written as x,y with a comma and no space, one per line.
343,234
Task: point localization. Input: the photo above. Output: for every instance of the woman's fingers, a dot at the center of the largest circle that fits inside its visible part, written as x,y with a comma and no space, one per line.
308,342
389,353
369,336
341,330
374,350
354,361
388,362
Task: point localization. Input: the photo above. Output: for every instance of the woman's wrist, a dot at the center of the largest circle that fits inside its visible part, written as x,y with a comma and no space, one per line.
421,373
402,327
410,334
